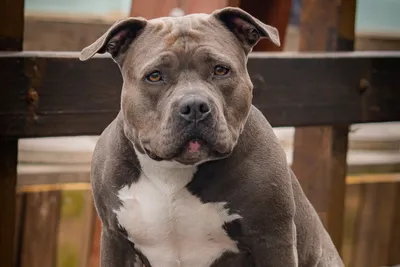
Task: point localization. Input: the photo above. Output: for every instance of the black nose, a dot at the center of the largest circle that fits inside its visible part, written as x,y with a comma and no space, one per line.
194,108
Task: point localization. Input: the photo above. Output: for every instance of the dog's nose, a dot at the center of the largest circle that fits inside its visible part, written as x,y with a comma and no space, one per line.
194,109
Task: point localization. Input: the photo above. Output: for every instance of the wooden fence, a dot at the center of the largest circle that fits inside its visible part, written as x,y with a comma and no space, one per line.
54,94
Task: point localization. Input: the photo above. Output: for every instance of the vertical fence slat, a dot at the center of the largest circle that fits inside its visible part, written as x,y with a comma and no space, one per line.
319,158
40,229
8,180
11,39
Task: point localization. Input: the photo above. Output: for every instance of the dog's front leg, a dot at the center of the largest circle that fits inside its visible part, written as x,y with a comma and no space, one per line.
117,251
276,247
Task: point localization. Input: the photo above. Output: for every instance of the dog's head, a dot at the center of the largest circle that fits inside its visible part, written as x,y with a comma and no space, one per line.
186,92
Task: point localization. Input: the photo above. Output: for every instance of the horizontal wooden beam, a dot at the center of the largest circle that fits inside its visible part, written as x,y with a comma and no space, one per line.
79,184
54,94
35,188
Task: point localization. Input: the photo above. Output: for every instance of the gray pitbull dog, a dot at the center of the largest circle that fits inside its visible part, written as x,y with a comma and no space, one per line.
189,173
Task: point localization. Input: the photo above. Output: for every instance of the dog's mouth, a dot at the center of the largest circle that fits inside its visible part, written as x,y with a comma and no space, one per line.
192,151
194,145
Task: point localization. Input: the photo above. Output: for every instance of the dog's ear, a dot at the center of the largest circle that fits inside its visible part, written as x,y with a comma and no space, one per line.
248,29
116,40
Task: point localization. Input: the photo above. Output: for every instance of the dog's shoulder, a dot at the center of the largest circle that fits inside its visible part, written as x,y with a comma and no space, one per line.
114,165
112,142
258,145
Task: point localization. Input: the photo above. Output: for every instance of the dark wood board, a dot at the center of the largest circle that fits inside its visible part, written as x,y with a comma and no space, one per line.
54,94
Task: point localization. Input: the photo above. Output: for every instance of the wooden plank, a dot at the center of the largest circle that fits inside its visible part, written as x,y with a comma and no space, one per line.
42,34
19,226
319,161
151,9
378,178
54,187
74,228
319,158
95,244
373,224
11,38
40,229
54,178
146,8
46,91
354,202
394,236
11,25
87,234
195,6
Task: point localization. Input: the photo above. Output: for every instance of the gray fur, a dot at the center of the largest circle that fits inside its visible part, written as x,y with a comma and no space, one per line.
242,164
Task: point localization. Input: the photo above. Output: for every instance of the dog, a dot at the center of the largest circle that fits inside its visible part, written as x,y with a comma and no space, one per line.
190,173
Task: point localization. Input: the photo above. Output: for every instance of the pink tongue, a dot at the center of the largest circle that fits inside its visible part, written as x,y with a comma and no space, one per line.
194,146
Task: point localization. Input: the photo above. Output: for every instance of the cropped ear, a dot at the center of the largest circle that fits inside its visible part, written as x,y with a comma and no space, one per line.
248,29
116,40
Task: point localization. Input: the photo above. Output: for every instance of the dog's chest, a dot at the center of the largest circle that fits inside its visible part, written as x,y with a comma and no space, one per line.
172,227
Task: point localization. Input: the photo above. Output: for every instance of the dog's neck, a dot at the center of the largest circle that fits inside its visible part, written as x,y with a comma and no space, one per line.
166,174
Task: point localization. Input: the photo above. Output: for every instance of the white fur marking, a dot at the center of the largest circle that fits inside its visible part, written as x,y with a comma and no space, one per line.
168,224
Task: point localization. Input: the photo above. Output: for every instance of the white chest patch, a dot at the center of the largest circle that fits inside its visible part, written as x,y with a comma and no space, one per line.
168,224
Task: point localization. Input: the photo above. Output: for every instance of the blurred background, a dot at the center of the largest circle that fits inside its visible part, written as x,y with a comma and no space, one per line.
56,219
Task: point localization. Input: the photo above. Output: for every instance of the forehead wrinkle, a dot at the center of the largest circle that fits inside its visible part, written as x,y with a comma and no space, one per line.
219,58
183,30
186,27
159,26
161,59
189,24
168,26
172,38
166,29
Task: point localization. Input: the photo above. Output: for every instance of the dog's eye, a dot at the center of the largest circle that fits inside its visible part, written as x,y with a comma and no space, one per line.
220,70
153,77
